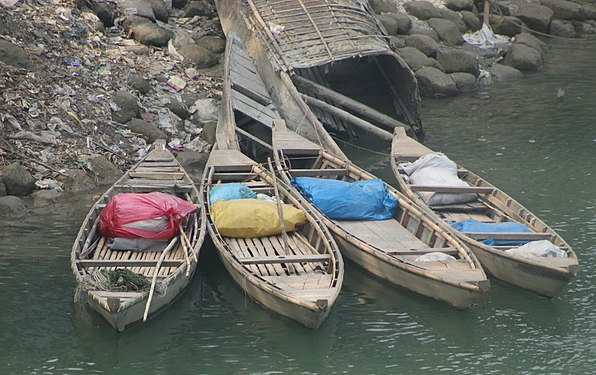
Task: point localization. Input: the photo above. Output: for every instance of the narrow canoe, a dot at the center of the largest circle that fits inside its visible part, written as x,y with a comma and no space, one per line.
170,267
542,275
390,249
297,275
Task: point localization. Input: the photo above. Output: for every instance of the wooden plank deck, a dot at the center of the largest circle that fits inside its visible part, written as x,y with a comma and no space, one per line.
387,235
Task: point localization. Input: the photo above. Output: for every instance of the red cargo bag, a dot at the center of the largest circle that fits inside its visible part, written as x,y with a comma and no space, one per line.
147,215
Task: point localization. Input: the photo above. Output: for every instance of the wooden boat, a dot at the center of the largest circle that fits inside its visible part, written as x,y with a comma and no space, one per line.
170,269
384,248
333,55
542,275
297,274
390,249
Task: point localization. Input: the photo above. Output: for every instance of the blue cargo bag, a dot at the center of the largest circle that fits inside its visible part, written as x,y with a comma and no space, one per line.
233,190
471,225
341,200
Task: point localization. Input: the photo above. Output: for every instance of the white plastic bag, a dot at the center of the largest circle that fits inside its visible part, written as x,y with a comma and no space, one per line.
436,257
543,248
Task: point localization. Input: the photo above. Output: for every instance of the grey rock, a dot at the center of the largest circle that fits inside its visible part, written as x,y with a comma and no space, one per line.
397,42
563,29
447,31
524,58
197,56
193,161
149,130
426,30
414,58
200,8
590,11
506,25
179,4
565,10
2,187
389,23
137,82
160,10
537,17
150,34
209,129
499,72
454,17
586,28
13,55
531,41
465,82
46,197
104,12
422,9
78,181
423,43
12,207
383,6
128,107
471,20
434,83
404,23
17,180
457,60
178,108
458,5
104,171
213,43
138,8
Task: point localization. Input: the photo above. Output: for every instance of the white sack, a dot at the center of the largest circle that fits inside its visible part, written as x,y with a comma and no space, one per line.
437,169
543,248
435,257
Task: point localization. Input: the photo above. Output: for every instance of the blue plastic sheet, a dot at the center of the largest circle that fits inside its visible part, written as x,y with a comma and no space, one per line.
471,225
230,191
341,200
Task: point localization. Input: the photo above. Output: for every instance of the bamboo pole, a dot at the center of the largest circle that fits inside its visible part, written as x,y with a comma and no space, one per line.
154,280
184,249
280,211
486,13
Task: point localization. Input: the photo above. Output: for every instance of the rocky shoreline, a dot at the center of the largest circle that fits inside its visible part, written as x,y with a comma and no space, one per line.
87,85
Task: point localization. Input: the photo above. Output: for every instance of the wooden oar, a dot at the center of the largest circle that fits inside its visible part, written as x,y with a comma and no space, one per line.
152,289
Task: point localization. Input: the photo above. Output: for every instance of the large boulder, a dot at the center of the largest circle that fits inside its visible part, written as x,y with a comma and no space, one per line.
434,83
447,31
150,34
2,187
389,23
524,58
454,17
531,41
537,17
565,10
457,60
12,207
458,5
126,108
201,8
465,82
197,56
423,43
137,82
500,72
471,20
384,6
415,59
103,169
13,55
17,180
160,10
138,8
506,25
404,23
149,130
563,29
77,181
422,9
213,43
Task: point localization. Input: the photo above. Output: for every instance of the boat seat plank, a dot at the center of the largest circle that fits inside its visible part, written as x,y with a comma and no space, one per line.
157,175
453,189
120,295
143,186
128,263
460,216
522,236
318,172
301,282
232,176
386,235
422,251
286,259
230,160
461,207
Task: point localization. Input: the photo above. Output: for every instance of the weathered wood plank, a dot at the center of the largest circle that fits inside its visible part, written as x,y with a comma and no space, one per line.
521,236
127,263
453,189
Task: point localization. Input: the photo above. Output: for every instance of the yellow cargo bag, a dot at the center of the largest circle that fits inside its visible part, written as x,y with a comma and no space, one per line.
249,218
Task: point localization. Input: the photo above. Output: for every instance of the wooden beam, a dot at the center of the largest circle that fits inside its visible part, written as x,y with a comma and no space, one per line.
318,172
128,263
286,259
521,236
453,189
444,250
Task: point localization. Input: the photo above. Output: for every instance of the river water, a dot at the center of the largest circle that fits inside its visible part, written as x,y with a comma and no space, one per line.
517,135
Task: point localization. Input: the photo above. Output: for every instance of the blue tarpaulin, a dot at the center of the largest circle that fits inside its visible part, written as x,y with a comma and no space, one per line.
341,200
471,225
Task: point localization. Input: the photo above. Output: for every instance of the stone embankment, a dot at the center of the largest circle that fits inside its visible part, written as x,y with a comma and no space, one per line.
87,85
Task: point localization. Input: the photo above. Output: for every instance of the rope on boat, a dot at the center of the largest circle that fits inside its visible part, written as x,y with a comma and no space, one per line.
120,280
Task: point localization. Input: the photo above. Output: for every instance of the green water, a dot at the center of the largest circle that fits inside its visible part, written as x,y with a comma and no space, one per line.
515,135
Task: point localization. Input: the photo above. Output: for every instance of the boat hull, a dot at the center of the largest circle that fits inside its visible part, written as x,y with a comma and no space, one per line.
456,296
